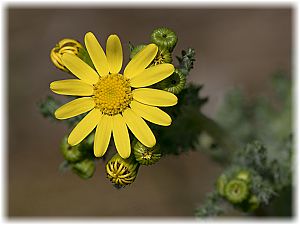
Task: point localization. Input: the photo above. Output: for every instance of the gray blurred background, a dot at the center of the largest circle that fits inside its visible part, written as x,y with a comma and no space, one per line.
234,47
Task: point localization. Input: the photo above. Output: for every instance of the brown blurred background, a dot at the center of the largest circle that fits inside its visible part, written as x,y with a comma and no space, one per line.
234,47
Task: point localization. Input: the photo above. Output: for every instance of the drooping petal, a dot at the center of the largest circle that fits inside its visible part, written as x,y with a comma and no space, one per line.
151,113
154,97
140,61
139,128
80,69
114,54
84,127
75,108
97,54
152,75
102,135
73,87
121,136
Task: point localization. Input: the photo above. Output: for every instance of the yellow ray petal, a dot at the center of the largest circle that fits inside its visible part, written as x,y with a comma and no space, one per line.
154,97
114,54
97,54
84,127
121,136
73,87
80,69
139,128
75,108
140,61
151,113
102,135
152,75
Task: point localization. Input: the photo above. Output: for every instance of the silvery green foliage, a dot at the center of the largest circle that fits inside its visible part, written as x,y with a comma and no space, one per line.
270,158
212,206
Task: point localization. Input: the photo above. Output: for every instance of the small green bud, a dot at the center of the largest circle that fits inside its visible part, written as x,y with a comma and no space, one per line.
72,153
164,38
205,140
121,172
253,203
146,156
135,50
221,182
84,169
244,175
174,83
236,191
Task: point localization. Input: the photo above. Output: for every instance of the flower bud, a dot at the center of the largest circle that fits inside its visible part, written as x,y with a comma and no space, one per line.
174,83
236,191
162,56
72,153
84,169
146,156
253,203
221,182
244,175
68,46
121,172
164,38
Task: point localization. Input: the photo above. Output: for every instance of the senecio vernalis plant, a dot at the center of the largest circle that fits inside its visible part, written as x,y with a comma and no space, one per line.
133,117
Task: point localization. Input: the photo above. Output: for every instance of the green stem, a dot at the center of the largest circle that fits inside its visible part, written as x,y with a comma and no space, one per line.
218,134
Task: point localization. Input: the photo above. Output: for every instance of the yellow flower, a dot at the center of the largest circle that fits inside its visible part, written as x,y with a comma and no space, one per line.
115,101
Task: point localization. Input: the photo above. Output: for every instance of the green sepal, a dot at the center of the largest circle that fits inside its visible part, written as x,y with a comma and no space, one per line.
84,55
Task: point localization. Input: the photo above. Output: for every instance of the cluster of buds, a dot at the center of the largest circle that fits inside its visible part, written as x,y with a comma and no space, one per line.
122,172
79,158
237,190
166,40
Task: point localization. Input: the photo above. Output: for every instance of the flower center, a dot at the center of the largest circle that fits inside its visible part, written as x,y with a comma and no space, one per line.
112,94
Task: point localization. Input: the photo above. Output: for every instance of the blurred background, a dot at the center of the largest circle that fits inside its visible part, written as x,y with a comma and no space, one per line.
234,48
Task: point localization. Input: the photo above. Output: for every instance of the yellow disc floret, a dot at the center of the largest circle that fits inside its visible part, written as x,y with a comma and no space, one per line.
112,94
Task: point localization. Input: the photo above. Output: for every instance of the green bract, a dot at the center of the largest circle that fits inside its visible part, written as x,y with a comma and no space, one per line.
164,38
